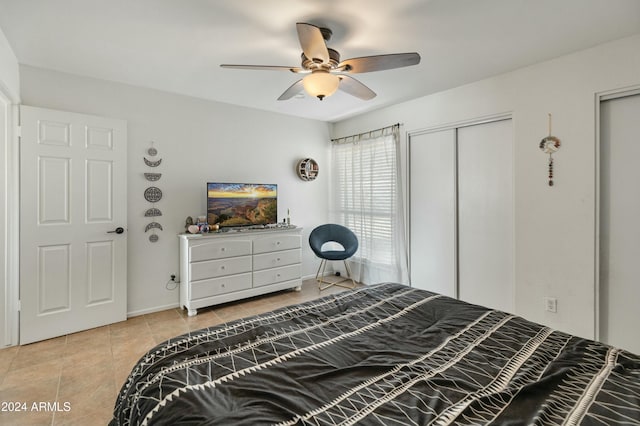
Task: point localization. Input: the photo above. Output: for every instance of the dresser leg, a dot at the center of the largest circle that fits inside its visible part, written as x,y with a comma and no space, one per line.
298,288
192,312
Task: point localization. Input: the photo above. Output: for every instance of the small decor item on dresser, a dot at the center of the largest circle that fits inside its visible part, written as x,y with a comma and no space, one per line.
193,229
549,145
307,169
202,224
187,223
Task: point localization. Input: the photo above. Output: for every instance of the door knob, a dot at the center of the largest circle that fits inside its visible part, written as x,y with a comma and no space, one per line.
118,230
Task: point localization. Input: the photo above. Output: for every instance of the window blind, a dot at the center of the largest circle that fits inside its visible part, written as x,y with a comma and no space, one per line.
365,198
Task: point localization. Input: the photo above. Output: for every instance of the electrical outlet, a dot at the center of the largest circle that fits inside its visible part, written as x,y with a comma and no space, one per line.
173,277
551,304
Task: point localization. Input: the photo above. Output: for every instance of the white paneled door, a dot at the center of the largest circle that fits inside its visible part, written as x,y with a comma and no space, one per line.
73,260
619,291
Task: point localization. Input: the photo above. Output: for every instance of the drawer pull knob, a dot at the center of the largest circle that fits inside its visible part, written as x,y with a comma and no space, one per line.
222,267
222,286
278,260
277,243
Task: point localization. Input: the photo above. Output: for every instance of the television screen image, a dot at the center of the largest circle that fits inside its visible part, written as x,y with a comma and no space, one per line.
242,204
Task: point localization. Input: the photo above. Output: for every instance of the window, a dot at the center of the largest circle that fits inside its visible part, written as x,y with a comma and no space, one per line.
366,199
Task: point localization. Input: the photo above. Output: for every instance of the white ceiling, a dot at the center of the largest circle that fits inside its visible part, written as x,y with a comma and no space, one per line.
177,46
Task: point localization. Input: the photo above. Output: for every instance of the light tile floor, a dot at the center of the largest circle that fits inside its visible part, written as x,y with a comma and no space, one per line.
74,379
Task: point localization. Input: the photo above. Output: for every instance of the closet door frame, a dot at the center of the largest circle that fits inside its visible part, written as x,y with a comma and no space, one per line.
454,126
601,97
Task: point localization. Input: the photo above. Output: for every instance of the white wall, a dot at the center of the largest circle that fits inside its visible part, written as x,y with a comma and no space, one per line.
9,71
198,141
9,95
554,227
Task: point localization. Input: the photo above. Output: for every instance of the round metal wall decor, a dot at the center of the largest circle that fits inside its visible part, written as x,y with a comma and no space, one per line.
152,212
550,145
152,176
152,194
152,151
152,163
153,225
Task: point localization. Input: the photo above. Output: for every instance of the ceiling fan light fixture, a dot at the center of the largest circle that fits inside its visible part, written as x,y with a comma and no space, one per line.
321,83
319,62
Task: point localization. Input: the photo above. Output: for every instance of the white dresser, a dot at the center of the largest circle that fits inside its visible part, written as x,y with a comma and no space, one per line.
226,266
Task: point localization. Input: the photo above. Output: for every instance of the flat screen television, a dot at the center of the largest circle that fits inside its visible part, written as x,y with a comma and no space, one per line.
242,204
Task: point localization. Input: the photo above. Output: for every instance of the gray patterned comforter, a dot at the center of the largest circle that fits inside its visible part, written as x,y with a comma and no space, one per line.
381,355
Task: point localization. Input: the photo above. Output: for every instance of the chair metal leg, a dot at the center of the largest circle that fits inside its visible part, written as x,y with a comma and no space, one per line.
322,262
349,274
321,280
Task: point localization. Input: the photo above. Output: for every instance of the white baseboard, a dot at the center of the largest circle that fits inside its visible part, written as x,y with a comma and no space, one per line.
313,276
152,310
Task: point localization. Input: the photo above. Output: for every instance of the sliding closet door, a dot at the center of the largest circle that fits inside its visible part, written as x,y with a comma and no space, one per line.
619,226
433,211
485,215
461,215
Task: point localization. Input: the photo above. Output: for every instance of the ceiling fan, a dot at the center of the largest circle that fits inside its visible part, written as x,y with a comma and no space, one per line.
325,72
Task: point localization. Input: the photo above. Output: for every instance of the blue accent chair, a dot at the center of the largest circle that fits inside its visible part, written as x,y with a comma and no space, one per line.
333,233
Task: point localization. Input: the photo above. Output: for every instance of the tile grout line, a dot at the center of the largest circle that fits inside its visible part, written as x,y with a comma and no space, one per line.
53,416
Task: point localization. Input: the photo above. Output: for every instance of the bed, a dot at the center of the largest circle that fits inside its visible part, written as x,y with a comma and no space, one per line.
381,355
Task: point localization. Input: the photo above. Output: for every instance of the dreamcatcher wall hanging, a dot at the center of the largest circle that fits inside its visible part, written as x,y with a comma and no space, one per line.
153,194
550,145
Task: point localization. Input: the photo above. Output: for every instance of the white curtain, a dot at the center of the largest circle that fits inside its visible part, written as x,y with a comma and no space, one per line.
367,198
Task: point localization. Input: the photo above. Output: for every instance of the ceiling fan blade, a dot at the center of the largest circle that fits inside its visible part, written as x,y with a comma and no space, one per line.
312,43
355,88
379,62
293,90
265,67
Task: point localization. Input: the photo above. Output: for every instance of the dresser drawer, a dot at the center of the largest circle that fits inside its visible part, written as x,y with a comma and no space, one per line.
276,275
216,286
206,250
275,243
276,259
219,268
